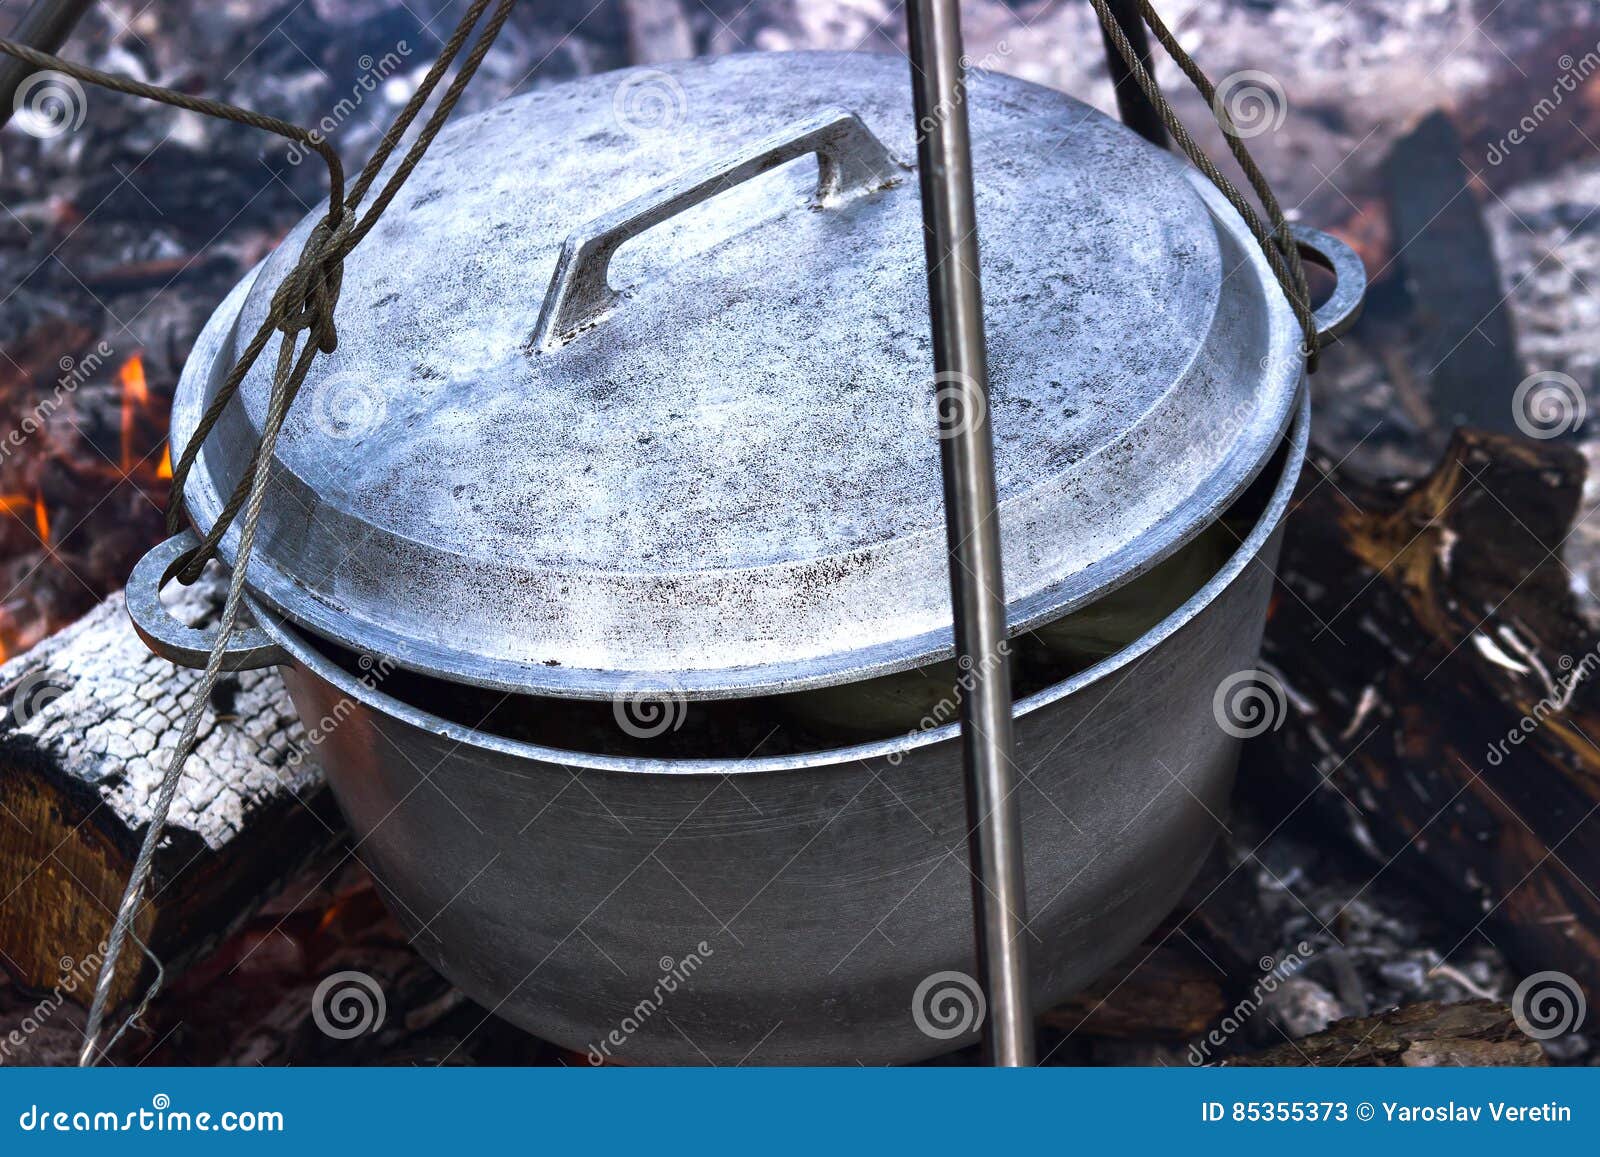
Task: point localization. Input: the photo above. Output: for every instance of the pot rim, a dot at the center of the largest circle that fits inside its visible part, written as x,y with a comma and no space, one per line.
314,662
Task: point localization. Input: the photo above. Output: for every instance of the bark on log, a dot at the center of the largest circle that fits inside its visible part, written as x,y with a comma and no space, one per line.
1442,705
91,718
1425,1035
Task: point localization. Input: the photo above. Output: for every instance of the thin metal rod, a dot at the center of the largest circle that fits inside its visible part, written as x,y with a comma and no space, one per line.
45,26
967,455
1132,105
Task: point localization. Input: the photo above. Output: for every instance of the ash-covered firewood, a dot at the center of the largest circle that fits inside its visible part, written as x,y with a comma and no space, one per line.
1426,1035
1441,694
91,718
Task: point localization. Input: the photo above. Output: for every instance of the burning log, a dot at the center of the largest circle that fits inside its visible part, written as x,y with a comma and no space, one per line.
91,719
1440,701
83,476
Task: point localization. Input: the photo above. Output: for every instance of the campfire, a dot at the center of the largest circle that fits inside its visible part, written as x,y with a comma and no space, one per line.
84,485
1382,885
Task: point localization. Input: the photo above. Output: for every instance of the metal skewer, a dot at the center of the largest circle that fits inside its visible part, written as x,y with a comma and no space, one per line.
973,530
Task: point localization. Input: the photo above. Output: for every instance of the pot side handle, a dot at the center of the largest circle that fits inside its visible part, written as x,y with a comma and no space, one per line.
1336,315
248,649
849,160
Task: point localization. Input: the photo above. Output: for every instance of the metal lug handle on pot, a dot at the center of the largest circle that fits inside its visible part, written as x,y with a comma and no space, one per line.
1336,315
249,648
849,159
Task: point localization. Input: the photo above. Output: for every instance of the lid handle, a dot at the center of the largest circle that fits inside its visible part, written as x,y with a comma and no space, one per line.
849,160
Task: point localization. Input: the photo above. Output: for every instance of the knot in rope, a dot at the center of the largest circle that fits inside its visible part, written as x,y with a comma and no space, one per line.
307,297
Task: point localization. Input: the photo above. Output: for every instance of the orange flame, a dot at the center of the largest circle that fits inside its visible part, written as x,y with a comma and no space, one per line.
24,506
135,396
165,469
41,519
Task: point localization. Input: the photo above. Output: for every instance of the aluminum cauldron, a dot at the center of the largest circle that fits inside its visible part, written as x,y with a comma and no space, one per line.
813,908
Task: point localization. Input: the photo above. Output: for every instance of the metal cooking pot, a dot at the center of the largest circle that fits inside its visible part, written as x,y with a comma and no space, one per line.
715,485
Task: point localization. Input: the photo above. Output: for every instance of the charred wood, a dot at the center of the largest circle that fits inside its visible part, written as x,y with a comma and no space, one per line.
91,719
1440,700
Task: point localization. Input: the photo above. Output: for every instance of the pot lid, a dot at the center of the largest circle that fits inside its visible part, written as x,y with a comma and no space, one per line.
722,476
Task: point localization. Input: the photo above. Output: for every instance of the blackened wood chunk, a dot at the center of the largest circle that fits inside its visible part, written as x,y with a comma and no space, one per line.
1443,242
1444,692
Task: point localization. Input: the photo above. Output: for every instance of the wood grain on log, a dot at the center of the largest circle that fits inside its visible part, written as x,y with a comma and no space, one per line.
91,718
1442,699
1425,1035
